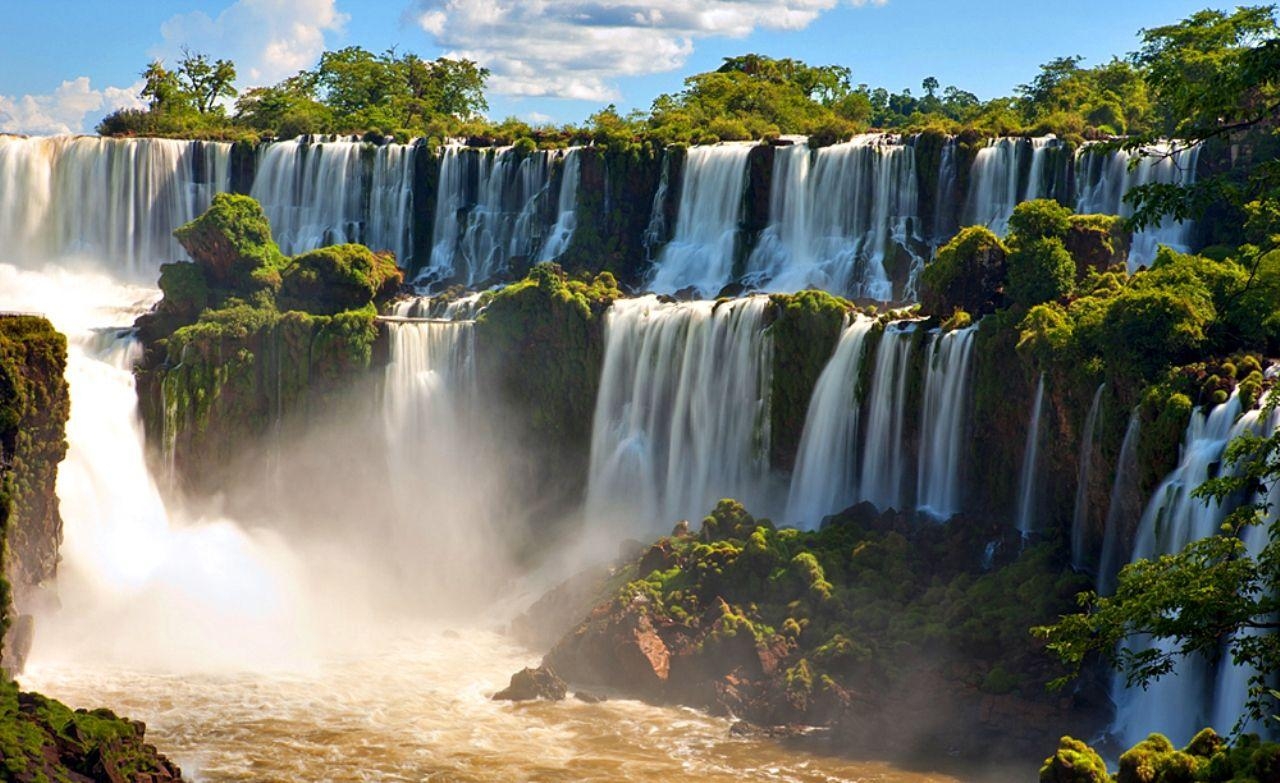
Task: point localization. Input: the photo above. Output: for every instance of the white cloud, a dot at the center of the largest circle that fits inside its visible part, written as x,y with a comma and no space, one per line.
267,39
68,109
576,48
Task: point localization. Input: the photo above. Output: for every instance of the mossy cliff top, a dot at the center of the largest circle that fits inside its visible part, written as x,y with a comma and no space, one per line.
245,336
34,405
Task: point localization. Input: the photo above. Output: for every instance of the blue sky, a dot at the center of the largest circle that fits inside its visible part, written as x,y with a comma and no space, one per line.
65,63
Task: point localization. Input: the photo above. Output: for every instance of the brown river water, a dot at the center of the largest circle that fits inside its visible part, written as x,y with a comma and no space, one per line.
419,710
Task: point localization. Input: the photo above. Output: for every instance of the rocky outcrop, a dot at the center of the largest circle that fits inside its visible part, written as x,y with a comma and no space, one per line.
34,405
43,740
875,620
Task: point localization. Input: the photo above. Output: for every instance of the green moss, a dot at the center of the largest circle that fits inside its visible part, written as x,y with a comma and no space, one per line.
1074,762
1040,270
805,329
337,278
968,273
232,243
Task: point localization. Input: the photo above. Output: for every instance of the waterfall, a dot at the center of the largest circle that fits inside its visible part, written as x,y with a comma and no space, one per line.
1183,700
943,214
1080,514
1103,180
320,191
942,432
883,463
682,416
1027,488
839,218
489,216
132,565
1117,508
566,208
701,253
827,459
997,183
116,199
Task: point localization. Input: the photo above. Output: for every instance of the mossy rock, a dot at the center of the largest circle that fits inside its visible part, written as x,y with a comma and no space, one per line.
338,278
1074,762
232,243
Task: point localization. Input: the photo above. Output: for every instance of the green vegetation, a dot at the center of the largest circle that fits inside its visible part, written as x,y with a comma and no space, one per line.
750,96
245,335
804,330
34,404
1208,757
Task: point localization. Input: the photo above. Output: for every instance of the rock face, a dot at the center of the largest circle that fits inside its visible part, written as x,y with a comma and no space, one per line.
529,684
43,740
34,404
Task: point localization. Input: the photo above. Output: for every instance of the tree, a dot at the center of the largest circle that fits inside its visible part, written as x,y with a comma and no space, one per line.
1214,599
930,86
162,88
204,82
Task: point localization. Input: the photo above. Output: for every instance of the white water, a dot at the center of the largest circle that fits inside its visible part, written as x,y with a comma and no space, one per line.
116,199
1185,700
566,208
700,255
837,217
1027,485
940,492
1104,180
490,208
1080,514
997,183
682,416
141,584
326,191
883,467
827,458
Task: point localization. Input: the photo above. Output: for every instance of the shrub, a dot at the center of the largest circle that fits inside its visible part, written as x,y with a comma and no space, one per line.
1040,270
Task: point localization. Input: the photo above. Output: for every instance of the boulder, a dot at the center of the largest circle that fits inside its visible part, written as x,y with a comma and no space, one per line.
529,684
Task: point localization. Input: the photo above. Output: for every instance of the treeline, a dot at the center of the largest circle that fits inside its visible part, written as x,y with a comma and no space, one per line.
355,91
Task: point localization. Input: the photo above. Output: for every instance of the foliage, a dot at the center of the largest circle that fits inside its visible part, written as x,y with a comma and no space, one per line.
968,273
1040,270
1207,757
337,278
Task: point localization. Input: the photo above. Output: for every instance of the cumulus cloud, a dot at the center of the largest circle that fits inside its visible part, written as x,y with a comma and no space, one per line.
267,39
576,48
74,105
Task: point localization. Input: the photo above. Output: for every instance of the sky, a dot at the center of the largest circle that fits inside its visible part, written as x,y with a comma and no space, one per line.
66,63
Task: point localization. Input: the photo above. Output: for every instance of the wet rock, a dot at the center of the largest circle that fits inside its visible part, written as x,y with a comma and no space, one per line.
529,684
589,698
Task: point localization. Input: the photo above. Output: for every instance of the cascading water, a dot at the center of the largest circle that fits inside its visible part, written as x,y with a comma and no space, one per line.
946,398
827,457
839,218
326,191
1027,485
943,215
701,253
1122,505
883,466
118,199
682,415
566,208
998,183
490,207
131,568
1184,700
1080,514
1104,179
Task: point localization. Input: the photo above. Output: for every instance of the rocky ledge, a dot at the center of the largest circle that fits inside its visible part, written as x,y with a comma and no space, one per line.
874,620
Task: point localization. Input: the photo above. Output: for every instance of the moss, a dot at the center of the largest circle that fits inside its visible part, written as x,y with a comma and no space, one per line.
232,243
968,273
1074,762
34,405
338,278
1040,270
805,329
540,345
